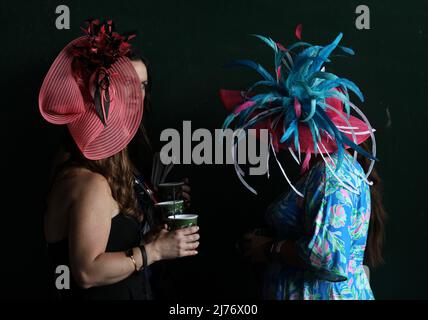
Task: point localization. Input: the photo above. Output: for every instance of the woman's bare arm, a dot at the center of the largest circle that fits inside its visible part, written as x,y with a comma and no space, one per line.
89,228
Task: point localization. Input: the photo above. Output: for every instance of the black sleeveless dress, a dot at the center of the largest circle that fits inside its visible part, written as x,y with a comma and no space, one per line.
124,234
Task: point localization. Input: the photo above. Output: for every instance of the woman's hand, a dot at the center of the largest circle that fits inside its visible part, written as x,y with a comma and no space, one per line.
255,247
173,244
152,235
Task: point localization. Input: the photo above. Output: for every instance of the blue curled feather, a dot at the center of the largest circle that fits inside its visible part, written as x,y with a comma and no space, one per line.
268,41
347,50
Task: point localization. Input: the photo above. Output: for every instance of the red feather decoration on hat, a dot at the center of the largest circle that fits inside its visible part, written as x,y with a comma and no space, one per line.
103,46
94,55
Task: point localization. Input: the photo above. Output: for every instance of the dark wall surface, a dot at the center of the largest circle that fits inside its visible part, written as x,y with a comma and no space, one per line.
187,43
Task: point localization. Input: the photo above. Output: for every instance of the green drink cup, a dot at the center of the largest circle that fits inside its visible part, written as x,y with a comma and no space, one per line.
168,208
181,221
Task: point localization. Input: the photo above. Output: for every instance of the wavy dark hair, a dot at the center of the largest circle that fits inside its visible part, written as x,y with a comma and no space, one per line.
378,216
117,169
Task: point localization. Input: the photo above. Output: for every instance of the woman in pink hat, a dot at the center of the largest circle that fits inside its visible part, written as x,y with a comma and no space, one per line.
93,218
332,219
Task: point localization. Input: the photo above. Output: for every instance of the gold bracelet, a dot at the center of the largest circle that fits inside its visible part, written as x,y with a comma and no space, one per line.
133,261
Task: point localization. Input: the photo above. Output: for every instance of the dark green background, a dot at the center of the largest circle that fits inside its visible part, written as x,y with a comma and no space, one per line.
187,42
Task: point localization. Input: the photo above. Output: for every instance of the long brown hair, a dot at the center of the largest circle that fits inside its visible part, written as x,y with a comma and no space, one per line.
378,215
117,169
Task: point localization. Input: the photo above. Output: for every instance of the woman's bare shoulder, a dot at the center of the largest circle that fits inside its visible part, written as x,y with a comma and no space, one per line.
77,183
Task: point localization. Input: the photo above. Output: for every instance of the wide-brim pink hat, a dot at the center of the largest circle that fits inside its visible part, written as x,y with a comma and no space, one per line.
101,129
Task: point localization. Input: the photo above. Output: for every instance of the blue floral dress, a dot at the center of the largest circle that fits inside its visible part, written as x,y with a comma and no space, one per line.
329,226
